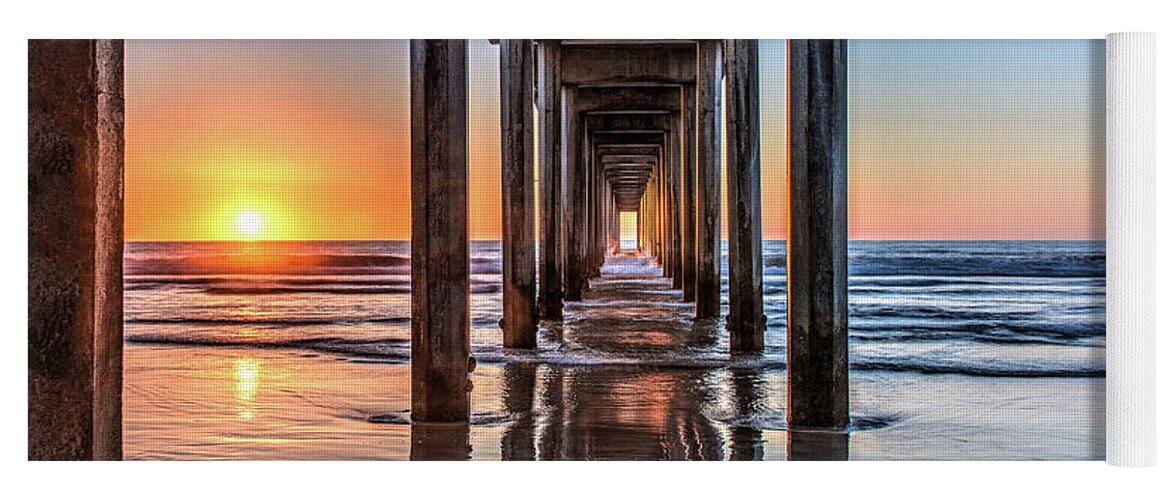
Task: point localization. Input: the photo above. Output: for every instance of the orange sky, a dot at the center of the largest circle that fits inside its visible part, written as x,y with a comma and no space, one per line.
948,140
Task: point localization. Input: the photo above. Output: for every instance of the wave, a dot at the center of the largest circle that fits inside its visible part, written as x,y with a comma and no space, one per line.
397,351
385,350
282,321
954,259
267,263
285,264
978,371
269,285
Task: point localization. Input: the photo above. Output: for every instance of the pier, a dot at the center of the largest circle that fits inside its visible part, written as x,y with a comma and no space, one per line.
602,127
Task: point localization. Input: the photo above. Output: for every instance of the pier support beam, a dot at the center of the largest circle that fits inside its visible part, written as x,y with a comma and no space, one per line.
817,241
75,144
575,199
675,164
687,226
440,349
746,321
517,194
709,85
550,294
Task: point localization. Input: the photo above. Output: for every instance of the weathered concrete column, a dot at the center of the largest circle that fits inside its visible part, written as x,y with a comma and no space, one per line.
610,215
665,208
615,220
818,304
687,229
746,321
652,207
574,198
597,239
591,209
675,165
75,144
640,224
550,268
517,194
440,349
709,85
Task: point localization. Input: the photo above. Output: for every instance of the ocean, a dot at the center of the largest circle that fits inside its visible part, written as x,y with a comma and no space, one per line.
981,350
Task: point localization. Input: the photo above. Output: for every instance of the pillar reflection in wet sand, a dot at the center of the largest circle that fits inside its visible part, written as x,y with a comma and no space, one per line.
440,441
550,433
747,396
818,446
517,442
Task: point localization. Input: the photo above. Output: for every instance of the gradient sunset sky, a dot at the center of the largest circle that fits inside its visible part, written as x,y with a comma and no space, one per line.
974,139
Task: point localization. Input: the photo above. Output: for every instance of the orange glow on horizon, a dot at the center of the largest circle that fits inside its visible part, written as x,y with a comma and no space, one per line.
312,140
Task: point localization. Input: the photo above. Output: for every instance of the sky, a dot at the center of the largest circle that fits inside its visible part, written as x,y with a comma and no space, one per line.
973,139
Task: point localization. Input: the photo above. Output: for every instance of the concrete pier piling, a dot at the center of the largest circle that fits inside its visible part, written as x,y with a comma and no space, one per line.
709,83
746,321
687,226
573,198
818,323
550,295
440,329
675,166
517,203
75,129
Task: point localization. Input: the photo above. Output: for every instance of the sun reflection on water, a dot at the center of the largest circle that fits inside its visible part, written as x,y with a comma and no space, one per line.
246,375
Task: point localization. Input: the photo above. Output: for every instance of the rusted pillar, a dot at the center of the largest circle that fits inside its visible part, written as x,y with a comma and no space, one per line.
440,348
574,199
75,144
517,194
746,321
709,85
550,267
818,303
687,226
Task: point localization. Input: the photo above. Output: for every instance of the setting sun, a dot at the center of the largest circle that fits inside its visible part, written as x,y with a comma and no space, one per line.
249,223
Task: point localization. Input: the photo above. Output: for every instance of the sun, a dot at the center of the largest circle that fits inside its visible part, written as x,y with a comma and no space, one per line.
249,223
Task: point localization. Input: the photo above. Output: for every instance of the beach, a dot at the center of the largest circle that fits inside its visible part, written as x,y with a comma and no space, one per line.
300,350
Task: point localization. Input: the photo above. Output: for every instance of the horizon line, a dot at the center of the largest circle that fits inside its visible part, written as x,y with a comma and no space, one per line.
312,240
